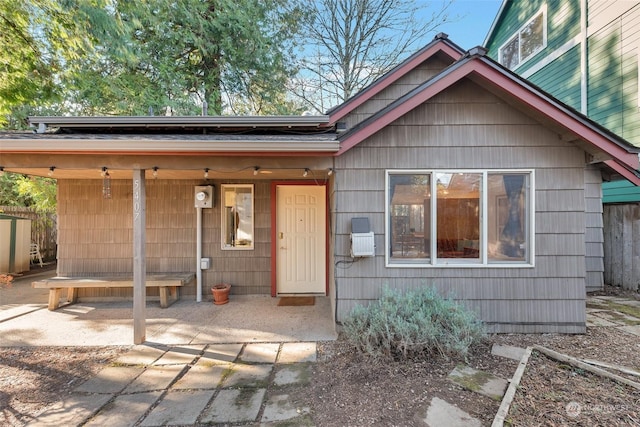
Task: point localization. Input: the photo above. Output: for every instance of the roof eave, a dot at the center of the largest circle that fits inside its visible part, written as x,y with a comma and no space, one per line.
631,176
41,123
159,147
441,43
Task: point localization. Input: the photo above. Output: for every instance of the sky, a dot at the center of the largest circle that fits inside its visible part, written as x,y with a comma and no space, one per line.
476,17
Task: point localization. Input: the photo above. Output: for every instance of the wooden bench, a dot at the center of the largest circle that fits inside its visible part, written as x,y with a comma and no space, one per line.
167,284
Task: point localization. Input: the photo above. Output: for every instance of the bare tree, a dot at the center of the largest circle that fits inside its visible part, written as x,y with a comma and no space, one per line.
353,42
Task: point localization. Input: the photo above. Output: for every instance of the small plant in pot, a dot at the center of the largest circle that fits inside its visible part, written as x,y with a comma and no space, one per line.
221,293
5,281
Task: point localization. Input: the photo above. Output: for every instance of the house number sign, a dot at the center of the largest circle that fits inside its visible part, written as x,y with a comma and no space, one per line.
136,199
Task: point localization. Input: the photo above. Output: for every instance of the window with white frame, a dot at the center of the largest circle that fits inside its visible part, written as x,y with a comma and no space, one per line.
237,216
530,39
459,217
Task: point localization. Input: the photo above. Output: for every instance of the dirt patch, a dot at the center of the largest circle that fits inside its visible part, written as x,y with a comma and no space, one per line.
349,389
554,393
34,378
346,388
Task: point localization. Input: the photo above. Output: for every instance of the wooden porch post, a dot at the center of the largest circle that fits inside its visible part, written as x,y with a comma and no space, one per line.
139,257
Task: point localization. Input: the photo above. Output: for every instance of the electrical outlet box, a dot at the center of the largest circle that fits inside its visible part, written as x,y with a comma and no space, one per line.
362,239
203,195
205,263
363,245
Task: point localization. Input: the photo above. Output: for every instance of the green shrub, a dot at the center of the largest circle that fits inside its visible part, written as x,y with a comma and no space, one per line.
412,324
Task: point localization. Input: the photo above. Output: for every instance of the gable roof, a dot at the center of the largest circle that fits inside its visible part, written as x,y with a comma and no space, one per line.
440,44
479,68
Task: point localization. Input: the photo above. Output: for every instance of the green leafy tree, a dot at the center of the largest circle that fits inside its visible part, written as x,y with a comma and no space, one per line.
232,55
40,192
35,192
38,39
113,57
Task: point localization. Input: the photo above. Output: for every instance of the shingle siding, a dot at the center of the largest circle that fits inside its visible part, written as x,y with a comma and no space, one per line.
466,127
96,235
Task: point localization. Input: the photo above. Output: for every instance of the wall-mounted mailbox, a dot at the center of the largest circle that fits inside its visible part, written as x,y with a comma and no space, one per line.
362,238
203,195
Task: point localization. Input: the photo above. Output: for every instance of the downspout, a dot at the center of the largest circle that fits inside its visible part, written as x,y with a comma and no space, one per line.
583,58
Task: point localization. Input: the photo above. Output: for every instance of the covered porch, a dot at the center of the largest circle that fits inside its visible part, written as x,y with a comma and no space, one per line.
25,321
128,201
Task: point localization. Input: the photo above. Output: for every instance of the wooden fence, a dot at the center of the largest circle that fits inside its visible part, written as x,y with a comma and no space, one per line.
43,229
622,245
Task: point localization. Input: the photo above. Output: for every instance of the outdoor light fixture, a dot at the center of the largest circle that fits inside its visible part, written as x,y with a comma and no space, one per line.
330,172
51,169
106,183
306,172
255,170
206,173
155,172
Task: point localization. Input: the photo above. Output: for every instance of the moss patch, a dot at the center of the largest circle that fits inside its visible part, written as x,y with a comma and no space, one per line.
629,310
473,382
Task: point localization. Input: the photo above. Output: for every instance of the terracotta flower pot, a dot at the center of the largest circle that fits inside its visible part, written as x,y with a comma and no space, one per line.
221,293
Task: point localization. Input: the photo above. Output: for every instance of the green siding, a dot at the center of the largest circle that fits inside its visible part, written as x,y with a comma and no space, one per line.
562,78
613,54
515,14
563,23
613,82
605,77
620,192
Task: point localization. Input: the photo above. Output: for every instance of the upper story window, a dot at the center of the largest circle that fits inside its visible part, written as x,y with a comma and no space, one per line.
530,39
466,218
237,216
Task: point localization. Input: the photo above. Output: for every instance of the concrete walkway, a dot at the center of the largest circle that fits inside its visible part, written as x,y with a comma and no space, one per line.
192,385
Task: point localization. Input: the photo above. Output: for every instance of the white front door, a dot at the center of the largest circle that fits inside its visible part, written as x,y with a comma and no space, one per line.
301,219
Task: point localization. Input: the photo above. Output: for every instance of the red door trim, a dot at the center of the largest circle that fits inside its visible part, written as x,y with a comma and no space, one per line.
274,240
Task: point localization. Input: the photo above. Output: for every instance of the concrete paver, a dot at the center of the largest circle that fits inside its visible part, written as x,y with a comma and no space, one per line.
634,330
72,411
442,413
125,410
618,318
141,355
180,355
112,379
234,406
298,352
260,353
598,321
203,375
179,408
279,408
241,375
481,382
508,351
155,378
299,373
222,352
631,303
